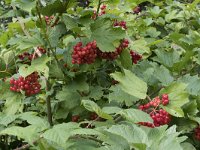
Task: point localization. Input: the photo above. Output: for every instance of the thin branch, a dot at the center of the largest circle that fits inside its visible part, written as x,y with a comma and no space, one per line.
89,124
49,43
155,91
98,8
48,101
149,99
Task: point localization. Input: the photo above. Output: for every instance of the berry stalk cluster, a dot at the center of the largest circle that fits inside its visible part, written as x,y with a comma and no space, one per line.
84,54
88,54
30,84
159,115
31,56
135,57
120,24
48,19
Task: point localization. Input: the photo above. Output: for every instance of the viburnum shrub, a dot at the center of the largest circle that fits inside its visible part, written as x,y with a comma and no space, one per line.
104,75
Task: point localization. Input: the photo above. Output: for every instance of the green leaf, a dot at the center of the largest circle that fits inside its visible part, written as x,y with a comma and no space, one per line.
26,5
135,115
30,42
8,56
131,84
140,46
191,108
187,146
56,33
55,70
39,65
177,98
163,75
194,85
29,133
69,99
125,59
71,23
13,104
7,119
114,141
55,7
167,59
105,35
93,107
132,134
32,119
119,96
60,133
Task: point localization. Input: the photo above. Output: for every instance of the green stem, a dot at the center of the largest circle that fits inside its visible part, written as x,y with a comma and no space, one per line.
48,99
98,7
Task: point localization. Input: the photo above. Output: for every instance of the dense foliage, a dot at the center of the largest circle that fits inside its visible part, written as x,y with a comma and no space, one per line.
103,75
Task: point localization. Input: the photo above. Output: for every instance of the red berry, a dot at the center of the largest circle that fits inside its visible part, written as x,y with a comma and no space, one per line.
75,118
84,55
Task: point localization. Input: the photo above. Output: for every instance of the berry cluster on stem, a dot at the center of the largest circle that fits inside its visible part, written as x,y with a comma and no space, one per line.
120,24
84,54
30,84
137,10
135,57
159,115
103,10
31,56
48,19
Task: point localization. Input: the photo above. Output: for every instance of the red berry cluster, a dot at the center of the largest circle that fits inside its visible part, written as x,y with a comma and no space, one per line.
113,55
48,20
159,115
135,56
29,84
120,24
86,54
32,56
93,116
165,99
137,10
103,10
197,133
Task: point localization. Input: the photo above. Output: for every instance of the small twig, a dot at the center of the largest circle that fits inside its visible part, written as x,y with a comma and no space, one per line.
149,99
118,119
156,91
49,43
48,101
98,8
92,122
